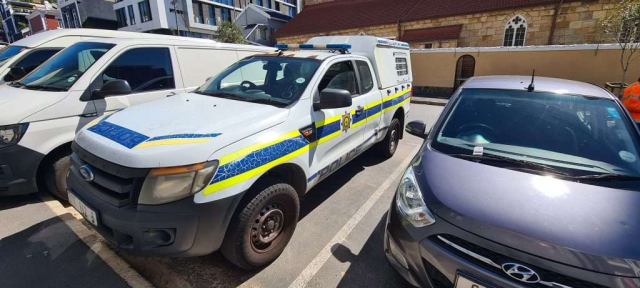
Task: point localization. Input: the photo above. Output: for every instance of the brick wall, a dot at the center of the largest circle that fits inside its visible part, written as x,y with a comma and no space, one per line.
576,24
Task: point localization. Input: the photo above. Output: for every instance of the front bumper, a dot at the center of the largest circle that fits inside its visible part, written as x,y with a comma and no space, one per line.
179,229
18,170
434,263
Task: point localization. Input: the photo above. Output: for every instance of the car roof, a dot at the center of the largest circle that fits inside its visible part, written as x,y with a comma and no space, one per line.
542,84
43,37
181,41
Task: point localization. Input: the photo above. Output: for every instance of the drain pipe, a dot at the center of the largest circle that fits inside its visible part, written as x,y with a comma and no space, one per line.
554,22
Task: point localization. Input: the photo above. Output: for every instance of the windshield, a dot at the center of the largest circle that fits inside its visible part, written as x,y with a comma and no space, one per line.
270,80
581,135
66,67
9,51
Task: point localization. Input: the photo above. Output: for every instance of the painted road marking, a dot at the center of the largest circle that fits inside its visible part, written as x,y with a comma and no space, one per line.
322,257
94,242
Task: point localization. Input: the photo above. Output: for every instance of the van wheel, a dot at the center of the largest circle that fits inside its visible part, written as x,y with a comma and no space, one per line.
55,176
389,145
260,230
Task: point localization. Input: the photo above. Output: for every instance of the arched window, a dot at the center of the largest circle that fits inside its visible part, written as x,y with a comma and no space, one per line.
465,69
515,32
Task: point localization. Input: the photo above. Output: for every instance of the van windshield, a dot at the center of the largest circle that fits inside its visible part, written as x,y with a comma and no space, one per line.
9,51
578,135
61,71
277,81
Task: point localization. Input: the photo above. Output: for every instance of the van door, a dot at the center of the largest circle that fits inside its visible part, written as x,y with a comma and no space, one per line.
373,109
150,71
339,131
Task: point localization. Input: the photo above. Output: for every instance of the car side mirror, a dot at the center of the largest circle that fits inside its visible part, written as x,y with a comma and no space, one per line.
112,88
333,99
417,128
15,73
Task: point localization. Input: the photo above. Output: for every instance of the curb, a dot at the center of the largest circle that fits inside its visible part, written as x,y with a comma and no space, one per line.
434,102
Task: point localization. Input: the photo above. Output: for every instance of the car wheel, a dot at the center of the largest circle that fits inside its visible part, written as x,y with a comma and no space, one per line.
56,176
261,229
389,145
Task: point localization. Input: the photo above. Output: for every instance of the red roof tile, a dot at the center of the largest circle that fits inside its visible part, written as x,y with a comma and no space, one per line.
432,34
348,14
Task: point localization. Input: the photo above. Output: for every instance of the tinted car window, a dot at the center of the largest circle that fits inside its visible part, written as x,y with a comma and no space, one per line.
340,76
365,76
578,133
34,59
10,51
146,69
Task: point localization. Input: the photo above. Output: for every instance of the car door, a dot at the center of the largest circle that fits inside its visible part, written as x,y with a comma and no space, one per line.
373,97
336,133
150,71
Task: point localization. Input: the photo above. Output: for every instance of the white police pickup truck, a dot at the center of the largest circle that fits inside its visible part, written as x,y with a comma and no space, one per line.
223,167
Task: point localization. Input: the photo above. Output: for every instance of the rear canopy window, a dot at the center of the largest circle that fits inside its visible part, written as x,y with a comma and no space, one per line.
401,66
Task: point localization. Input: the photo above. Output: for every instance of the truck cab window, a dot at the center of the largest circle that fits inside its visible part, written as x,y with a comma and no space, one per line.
365,76
340,76
146,69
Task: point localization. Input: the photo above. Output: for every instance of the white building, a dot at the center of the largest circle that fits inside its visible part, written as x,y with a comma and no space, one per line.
194,18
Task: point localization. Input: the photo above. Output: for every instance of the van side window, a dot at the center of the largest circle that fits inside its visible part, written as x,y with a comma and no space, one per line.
401,66
34,59
340,76
365,76
146,69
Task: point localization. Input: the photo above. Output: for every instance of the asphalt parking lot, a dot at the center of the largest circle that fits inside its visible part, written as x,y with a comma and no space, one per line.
338,241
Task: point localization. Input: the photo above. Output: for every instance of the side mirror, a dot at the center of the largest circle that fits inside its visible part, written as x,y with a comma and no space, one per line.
333,99
417,128
15,73
112,88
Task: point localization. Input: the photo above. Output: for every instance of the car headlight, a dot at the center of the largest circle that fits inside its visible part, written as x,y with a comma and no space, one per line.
164,185
410,202
11,134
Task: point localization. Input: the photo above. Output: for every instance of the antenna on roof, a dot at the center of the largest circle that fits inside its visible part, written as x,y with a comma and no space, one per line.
532,86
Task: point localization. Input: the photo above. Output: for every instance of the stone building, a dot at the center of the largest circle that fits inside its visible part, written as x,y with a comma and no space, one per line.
460,23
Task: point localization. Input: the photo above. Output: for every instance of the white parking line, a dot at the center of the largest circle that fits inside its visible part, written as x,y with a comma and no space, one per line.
114,261
322,257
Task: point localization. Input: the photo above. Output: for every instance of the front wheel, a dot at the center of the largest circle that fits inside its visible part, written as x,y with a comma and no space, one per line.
56,176
260,230
389,145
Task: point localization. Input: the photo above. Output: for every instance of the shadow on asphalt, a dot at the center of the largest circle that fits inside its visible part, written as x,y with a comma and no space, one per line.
10,202
50,254
370,267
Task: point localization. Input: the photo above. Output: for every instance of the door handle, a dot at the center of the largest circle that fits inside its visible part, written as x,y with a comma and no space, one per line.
359,110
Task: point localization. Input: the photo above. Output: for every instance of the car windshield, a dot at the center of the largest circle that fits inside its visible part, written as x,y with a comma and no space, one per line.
276,81
580,135
9,51
66,67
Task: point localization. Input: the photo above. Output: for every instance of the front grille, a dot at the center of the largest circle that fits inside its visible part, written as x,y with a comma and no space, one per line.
117,185
545,275
438,280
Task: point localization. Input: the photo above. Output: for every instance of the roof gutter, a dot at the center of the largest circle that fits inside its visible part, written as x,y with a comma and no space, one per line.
554,22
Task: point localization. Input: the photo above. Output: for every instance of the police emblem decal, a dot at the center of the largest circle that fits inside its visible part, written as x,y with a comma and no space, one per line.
346,121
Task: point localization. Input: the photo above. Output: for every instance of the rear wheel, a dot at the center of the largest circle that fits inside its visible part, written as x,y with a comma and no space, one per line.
389,145
262,228
55,176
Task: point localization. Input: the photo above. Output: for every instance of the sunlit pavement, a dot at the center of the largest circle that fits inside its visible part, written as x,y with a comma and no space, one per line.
338,241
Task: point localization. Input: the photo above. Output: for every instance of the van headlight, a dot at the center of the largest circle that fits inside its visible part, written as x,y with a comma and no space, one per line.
410,203
164,185
11,134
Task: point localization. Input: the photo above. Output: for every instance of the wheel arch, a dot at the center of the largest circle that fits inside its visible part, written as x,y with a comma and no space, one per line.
400,115
48,158
289,173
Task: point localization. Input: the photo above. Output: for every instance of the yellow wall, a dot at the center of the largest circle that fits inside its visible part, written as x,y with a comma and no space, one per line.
437,69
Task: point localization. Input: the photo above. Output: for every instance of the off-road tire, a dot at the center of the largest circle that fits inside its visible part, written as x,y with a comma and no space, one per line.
55,176
387,147
238,247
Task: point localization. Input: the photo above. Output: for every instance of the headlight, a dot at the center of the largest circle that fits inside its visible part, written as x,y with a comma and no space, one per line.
165,185
410,202
10,135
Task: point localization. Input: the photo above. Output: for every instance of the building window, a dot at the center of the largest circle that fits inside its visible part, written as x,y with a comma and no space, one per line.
277,6
259,3
225,14
145,11
268,2
121,18
516,32
292,11
211,15
428,46
225,2
198,14
132,17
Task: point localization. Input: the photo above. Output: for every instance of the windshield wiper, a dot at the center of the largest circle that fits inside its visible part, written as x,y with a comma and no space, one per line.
16,84
607,177
44,87
521,164
221,95
267,101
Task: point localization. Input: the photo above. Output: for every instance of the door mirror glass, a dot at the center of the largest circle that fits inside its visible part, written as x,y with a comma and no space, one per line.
417,128
15,73
112,88
333,98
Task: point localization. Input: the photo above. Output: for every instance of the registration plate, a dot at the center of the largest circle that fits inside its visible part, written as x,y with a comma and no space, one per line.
464,282
86,212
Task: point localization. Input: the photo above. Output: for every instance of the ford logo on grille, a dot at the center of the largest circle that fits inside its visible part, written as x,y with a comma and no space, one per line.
86,173
521,273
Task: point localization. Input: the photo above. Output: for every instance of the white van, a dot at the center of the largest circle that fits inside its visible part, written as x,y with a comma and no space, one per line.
224,166
21,57
41,113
